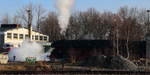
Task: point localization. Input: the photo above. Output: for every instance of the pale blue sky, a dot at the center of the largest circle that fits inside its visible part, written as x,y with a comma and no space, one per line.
10,6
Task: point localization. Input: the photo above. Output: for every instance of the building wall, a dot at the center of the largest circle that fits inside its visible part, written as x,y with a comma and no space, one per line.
17,41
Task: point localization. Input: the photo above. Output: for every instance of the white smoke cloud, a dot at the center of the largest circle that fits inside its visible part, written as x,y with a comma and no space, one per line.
64,8
29,49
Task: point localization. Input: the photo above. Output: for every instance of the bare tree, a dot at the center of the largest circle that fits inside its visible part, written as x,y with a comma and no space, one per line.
107,25
74,29
16,20
86,23
116,23
50,27
143,21
6,19
40,12
23,14
130,29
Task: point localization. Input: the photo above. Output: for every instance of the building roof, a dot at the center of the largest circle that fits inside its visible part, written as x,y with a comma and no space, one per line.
7,27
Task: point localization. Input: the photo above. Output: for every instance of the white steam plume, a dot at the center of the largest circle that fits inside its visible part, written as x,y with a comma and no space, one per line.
29,49
64,8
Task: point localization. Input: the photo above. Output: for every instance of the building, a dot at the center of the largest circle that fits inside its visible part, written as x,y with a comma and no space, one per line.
14,34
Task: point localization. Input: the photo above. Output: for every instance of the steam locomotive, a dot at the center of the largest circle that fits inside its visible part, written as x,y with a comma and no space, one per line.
70,50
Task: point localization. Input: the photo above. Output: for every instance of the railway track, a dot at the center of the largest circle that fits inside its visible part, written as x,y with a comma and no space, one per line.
74,73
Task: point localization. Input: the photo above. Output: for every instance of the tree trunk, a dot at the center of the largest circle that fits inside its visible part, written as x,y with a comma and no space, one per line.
127,46
117,35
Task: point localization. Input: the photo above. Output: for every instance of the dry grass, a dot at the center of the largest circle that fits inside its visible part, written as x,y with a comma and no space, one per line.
7,67
25,66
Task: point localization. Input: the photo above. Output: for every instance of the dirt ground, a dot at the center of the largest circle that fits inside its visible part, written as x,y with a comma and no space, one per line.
42,66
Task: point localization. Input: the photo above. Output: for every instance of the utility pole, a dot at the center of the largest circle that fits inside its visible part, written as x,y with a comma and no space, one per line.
38,24
148,24
29,23
147,38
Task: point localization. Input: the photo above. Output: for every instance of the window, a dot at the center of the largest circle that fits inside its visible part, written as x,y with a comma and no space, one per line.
36,37
9,35
32,37
15,36
41,38
20,36
26,36
45,38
